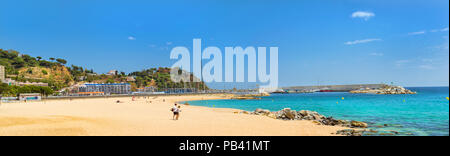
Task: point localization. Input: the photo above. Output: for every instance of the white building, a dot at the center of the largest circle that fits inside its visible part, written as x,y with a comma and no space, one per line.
108,89
112,72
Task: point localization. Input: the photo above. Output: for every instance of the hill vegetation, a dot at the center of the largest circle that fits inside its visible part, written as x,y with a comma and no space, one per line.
25,68
160,78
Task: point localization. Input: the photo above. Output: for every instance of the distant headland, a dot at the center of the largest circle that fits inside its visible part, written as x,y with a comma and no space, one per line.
354,88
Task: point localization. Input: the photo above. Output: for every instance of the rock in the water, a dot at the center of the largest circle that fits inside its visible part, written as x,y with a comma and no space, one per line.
359,124
386,134
393,132
315,117
350,132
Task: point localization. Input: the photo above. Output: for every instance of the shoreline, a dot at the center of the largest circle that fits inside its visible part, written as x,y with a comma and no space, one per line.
102,116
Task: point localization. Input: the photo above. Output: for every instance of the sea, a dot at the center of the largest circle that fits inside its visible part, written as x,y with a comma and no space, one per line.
422,114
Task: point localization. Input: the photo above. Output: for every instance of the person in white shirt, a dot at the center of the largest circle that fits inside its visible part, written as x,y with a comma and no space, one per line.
173,110
177,112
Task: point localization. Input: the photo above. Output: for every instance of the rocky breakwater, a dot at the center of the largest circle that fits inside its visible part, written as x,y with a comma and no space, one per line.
288,114
245,98
384,90
250,96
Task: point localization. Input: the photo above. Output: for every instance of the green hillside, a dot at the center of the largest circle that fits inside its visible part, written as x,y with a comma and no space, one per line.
26,68
160,78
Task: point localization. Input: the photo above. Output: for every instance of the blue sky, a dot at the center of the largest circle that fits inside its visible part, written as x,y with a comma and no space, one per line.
320,41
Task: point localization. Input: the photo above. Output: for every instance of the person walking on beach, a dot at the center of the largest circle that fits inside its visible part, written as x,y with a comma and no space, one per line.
174,108
177,112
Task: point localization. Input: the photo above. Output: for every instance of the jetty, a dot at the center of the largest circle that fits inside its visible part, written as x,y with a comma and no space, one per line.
330,88
355,89
384,90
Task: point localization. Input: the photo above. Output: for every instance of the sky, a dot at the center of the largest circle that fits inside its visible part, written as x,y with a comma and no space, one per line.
320,41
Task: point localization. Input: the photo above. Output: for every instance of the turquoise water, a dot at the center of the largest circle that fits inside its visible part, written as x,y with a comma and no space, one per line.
424,114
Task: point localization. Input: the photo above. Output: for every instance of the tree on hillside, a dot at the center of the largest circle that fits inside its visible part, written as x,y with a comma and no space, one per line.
39,58
62,61
110,81
30,61
8,54
90,71
52,59
7,90
18,62
76,70
30,71
45,63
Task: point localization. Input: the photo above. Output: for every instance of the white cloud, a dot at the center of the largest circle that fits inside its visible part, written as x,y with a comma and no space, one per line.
376,54
417,33
362,41
400,63
439,30
442,47
363,14
427,67
131,38
425,64
427,60
169,43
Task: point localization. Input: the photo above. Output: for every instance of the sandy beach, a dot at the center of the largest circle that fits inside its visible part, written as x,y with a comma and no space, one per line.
105,117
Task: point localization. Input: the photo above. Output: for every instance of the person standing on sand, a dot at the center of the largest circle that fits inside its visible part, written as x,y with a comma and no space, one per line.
177,112
174,108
